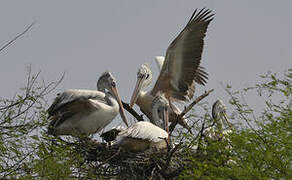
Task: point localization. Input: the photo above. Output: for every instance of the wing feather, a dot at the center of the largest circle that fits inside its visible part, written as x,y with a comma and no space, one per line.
74,95
72,102
143,130
181,68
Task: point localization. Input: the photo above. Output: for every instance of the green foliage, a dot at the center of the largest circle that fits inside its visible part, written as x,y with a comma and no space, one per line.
21,120
260,146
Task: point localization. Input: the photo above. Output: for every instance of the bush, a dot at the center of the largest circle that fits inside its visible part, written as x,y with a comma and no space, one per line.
259,146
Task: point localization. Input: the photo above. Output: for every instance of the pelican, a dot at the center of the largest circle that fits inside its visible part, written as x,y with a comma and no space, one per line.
180,70
220,120
84,112
144,99
159,107
144,135
141,136
222,127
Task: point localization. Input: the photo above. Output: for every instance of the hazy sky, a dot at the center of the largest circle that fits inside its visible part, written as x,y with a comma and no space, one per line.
85,38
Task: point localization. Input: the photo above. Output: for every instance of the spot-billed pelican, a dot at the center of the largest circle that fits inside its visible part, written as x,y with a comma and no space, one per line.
144,135
222,125
180,70
160,107
141,136
84,112
144,99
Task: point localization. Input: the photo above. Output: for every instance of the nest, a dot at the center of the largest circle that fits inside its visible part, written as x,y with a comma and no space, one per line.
114,162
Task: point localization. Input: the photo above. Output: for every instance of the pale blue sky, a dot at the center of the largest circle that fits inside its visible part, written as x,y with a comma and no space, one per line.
85,38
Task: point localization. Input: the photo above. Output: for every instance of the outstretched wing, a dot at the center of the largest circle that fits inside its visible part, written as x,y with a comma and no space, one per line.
181,66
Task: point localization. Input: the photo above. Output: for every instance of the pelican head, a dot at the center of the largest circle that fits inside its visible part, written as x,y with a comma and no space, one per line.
219,113
144,78
112,134
160,107
107,82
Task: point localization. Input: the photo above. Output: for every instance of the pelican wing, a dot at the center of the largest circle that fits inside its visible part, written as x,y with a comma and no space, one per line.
181,67
72,102
143,130
73,96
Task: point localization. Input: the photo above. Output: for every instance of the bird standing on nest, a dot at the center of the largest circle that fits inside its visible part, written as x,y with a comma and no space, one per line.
83,112
143,135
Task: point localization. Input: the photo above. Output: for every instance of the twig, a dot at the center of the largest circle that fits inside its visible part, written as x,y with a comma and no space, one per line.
170,154
198,99
16,37
107,160
187,109
132,111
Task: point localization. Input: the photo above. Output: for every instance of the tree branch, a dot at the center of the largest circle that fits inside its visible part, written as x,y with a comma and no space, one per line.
187,109
132,111
198,99
16,37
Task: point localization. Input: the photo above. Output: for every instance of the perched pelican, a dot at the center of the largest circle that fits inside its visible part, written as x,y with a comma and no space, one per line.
160,107
180,70
222,127
144,135
141,136
84,112
220,120
144,99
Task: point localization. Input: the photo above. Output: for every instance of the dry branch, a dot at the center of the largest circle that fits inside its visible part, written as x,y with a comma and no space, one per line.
16,37
187,109
198,99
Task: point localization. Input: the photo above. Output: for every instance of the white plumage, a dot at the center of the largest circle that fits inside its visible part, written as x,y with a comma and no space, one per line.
145,135
143,130
79,111
221,122
142,136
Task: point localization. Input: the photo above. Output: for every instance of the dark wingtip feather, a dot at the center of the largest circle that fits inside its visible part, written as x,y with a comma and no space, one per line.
194,13
201,76
203,15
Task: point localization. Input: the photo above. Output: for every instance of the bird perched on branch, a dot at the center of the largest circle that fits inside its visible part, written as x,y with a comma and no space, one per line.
144,135
181,69
84,112
221,123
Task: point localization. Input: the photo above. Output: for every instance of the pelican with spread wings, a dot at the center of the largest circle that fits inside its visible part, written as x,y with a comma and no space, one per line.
181,68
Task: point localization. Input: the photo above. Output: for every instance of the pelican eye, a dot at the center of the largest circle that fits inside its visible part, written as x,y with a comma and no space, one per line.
113,84
147,76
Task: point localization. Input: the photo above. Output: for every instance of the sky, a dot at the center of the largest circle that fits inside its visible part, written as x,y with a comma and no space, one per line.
85,38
